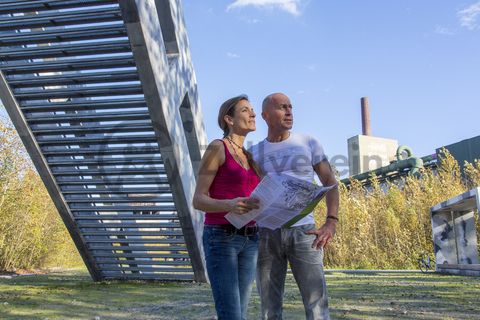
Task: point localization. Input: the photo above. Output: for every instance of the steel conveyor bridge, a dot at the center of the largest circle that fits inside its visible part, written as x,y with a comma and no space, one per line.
104,98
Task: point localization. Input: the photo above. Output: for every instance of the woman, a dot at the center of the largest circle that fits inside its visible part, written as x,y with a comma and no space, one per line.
227,176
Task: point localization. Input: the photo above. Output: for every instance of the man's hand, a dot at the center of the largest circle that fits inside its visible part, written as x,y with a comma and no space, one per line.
324,235
243,205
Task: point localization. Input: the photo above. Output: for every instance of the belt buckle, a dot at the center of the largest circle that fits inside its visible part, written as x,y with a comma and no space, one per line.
230,229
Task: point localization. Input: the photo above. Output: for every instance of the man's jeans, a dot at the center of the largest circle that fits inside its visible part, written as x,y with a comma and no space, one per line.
277,247
231,262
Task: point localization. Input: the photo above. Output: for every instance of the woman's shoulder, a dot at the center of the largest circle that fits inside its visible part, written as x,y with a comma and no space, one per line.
217,147
217,144
214,156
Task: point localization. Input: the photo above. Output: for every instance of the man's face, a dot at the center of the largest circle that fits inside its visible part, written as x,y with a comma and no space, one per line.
278,115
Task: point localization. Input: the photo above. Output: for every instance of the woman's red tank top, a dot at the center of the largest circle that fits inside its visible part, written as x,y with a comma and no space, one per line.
231,181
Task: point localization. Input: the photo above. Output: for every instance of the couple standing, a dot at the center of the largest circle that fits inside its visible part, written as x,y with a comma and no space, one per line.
227,176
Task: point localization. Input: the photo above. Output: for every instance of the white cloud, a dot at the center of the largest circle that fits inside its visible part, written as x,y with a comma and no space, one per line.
443,31
232,55
468,16
290,6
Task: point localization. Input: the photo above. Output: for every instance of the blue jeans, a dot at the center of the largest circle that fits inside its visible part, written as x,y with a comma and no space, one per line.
231,263
278,248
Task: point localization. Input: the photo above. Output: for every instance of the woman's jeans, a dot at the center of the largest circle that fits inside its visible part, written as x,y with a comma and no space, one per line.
231,264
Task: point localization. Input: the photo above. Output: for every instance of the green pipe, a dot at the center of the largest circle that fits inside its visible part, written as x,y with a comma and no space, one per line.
432,157
401,149
414,163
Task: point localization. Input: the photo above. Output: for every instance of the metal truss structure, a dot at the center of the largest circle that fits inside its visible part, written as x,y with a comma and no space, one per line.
104,98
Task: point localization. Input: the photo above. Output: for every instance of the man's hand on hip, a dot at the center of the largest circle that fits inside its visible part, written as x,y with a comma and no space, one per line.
324,234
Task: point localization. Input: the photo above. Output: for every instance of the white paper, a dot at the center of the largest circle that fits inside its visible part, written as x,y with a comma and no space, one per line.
265,193
281,198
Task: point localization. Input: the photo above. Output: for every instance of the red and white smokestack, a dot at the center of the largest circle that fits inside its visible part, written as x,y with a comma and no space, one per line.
366,129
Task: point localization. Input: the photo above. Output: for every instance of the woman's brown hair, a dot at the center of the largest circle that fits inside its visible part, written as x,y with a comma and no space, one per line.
228,109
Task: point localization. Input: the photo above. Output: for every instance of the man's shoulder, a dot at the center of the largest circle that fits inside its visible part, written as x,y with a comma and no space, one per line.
304,138
254,148
300,135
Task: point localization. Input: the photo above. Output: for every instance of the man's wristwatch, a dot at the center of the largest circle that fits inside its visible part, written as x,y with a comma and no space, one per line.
332,217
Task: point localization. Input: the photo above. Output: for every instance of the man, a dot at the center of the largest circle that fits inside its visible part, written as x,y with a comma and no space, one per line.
302,244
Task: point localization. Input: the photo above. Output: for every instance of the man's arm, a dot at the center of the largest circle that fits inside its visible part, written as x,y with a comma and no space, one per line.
327,231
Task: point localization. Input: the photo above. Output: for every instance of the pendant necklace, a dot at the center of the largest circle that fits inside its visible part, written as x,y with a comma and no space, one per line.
235,151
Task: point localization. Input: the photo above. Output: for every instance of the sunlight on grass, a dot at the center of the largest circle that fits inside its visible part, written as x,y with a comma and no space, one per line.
73,295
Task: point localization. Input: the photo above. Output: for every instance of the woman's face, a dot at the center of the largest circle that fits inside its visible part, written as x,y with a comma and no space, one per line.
243,120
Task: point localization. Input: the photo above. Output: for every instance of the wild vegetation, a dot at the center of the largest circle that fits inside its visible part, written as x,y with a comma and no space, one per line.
389,225
32,234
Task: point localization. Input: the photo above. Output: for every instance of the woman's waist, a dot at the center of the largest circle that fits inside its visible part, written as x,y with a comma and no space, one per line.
248,230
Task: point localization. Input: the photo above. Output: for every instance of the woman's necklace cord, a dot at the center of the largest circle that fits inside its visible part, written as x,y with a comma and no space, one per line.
235,151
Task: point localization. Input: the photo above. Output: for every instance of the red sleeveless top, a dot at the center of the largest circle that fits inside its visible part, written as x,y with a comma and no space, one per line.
231,181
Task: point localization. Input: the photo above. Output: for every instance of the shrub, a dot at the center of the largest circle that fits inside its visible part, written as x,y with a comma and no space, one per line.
32,234
388,225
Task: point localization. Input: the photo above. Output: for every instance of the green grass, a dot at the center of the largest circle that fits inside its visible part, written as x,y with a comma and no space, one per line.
73,295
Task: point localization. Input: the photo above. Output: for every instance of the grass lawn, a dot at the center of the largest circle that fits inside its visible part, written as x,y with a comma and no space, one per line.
72,295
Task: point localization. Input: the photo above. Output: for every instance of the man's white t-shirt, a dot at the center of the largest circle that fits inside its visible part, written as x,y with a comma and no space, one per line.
294,156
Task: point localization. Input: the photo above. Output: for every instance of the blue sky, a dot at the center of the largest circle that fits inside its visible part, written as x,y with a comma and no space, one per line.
417,61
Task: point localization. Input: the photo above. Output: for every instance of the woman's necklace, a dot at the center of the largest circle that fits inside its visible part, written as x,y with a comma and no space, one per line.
235,151
231,141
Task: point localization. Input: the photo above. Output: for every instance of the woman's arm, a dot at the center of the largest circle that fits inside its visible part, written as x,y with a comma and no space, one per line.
213,158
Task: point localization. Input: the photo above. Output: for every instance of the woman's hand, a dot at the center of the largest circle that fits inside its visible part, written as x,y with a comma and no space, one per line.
243,205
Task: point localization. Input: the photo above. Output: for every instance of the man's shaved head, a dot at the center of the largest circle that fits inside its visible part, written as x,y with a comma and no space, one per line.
270,100
277,113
